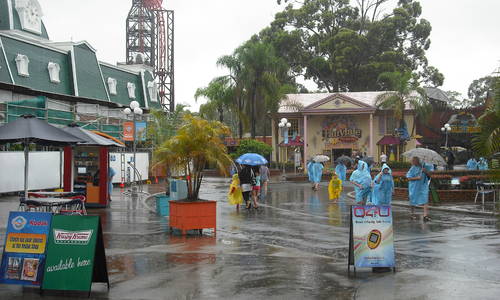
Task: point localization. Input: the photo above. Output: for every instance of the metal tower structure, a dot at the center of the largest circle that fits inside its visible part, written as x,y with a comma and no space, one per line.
150,40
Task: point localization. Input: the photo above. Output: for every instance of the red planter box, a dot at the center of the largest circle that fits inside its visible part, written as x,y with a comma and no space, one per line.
199,215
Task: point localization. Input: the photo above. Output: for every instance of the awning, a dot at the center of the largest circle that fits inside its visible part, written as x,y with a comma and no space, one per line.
389,140
90,138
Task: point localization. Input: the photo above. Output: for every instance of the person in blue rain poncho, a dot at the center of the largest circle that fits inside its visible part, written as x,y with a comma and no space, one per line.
316,174
482,164
383,186
341,170
418,186
361,180
472,164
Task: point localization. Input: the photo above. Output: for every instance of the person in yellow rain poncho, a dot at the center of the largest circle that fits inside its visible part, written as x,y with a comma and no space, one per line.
235,195
335,187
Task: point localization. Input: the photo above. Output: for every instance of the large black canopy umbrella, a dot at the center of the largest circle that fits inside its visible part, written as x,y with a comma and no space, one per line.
346,160
30,130
90,138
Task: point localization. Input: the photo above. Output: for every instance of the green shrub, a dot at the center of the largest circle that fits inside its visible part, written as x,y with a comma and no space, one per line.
399,165
252,146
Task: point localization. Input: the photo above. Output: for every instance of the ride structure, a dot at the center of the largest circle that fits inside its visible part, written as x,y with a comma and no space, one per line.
150,41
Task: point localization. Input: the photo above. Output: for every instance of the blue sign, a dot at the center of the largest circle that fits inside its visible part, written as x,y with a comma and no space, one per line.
372,236
25,245
141,132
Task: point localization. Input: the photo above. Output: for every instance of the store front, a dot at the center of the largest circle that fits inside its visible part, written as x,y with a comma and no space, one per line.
342,124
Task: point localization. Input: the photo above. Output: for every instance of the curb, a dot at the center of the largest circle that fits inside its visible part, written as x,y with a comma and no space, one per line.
445,209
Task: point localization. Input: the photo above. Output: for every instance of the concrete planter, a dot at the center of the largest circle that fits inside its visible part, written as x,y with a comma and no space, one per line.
193,215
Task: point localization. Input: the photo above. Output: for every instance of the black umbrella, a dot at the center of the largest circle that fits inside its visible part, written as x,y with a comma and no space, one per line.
30,130
346,160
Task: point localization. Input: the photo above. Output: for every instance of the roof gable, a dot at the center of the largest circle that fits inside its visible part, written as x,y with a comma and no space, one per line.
337,101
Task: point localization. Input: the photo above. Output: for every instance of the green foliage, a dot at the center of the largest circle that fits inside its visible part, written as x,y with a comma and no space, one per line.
219,94
253,146
196,143
162,125
487,142
406,94
344,47
480,89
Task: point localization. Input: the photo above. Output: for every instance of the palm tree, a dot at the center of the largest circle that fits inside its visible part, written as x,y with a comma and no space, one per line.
196,143
163,125
405,95
487,142
262,73
233,64
219,94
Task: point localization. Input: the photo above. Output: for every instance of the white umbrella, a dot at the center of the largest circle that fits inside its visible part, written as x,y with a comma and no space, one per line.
321,158
426,155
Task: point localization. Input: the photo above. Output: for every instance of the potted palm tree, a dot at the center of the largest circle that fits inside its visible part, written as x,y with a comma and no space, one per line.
196,143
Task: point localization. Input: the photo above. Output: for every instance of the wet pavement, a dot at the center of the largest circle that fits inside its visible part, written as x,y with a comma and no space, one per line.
294,247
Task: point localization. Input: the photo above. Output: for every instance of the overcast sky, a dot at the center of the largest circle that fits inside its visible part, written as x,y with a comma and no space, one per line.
465,40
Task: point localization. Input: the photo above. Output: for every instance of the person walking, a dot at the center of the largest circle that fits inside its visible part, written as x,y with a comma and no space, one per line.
256,189
247,179
418,187
383,187
317,174
265,175
335,187
472,164
361,180
341,171
235,195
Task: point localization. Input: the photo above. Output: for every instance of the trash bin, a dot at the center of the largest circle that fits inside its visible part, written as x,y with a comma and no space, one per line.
178,189
162,205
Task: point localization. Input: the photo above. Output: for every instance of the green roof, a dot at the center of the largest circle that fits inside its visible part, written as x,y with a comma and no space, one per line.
88,75
122,78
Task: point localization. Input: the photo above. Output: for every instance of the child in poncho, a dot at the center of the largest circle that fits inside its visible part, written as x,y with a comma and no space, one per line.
235,195
335,187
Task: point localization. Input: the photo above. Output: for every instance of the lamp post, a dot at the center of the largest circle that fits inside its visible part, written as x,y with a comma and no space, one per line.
284,125
134,110
446,129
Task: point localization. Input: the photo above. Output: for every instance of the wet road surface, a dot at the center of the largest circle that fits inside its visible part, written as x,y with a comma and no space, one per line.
294,247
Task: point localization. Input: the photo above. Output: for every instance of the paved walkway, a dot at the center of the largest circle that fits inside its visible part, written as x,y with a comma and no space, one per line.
295,247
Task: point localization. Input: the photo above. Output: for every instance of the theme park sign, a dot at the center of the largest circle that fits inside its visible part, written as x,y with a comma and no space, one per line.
464,123
341,127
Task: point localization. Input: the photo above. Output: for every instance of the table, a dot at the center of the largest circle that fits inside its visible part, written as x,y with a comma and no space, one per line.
54,205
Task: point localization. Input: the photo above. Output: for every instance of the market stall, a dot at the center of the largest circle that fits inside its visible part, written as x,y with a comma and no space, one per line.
86,166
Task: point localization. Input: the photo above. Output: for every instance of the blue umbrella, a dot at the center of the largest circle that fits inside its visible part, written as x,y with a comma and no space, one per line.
251,159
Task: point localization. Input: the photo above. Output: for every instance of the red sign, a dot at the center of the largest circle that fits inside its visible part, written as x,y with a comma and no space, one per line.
128,131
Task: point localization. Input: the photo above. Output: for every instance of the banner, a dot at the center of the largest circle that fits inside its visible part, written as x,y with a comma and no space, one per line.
25,243
372,239
141,130
128,131
75,254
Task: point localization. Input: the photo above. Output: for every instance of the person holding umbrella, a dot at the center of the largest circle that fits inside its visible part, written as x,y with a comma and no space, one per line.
247,174
418,187
317,170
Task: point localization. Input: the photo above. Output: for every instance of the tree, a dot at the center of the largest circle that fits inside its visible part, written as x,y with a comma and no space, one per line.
406,95
456,100
219,94
480,89
345,48
164,125
487,142
253,146
196,143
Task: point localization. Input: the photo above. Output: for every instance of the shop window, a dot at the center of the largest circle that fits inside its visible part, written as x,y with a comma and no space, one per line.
54,70
22,64
131,90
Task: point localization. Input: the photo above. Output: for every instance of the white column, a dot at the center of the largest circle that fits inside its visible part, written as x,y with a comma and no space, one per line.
372,145
305,142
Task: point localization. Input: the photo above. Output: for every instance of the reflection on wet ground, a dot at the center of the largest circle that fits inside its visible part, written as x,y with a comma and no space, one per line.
294,247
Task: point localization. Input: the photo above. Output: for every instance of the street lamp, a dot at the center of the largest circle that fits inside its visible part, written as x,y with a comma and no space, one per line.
446,129
285,126
135,110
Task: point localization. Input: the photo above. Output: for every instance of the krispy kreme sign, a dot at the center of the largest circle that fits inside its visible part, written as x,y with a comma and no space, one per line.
72,237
